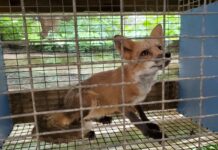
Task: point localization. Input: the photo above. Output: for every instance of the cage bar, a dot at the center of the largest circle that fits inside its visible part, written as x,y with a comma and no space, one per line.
49,47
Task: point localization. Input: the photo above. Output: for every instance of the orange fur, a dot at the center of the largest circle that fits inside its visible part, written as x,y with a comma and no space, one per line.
140,73
111,95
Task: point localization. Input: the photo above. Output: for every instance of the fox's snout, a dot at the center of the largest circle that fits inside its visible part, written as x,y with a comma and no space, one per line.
167,55
166,62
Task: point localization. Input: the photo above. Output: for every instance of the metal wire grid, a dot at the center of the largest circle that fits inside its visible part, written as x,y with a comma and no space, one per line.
189,4
47,75
55,68
48,71
182,134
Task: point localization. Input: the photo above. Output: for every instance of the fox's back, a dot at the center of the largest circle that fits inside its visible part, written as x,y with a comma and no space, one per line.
109,86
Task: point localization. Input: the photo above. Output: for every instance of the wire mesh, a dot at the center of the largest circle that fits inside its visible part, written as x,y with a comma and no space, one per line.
182,134
63,43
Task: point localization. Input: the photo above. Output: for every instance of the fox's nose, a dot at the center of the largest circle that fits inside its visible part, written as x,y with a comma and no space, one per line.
167,55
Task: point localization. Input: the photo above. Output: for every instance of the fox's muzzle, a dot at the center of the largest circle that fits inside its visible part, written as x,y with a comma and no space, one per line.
160,58
167,55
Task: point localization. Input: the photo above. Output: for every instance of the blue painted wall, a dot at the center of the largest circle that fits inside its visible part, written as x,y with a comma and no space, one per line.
5,125
191,25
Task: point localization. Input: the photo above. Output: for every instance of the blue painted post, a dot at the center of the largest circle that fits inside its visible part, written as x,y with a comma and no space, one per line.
6,125
195,26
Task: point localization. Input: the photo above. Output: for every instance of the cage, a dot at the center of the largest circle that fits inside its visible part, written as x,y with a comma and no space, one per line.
49,46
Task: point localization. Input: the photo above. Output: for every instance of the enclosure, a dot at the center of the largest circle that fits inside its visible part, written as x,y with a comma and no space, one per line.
48,46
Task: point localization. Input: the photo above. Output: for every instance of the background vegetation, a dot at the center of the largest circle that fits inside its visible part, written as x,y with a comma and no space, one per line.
61,38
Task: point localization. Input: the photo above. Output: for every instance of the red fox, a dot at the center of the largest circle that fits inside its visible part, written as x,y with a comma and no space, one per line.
144,58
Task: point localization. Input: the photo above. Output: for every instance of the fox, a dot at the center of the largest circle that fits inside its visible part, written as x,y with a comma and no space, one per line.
143,59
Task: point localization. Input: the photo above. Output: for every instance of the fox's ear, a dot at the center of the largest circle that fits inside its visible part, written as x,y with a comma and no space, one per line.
124,46
157,32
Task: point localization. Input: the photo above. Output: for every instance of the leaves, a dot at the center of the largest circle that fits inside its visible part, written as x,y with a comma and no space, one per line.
12,28
88,27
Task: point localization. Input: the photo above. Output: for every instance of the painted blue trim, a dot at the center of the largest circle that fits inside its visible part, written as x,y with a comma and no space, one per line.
191,25
6,125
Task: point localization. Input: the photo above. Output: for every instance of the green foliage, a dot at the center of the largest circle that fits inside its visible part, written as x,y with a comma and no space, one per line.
12,29
142,25
33,29
89,27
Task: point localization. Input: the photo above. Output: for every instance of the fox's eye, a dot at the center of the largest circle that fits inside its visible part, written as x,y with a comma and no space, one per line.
160,47
145,53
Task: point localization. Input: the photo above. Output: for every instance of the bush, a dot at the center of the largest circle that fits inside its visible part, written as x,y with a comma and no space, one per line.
12,29
94,27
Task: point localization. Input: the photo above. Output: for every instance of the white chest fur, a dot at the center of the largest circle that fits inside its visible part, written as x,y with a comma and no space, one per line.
145,83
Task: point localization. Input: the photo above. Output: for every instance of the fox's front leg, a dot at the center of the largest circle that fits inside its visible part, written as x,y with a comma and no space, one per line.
145,118
105,120
130,114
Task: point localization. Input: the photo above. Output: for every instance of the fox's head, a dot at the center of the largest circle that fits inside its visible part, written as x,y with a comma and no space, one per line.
149,52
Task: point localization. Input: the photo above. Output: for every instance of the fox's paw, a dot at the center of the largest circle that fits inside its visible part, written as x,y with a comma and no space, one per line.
155,134
105,120
153,126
